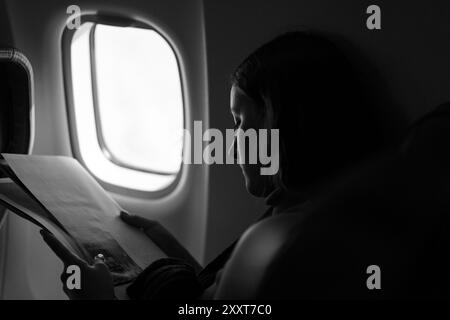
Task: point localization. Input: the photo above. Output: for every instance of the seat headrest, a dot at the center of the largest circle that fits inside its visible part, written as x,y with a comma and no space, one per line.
16,102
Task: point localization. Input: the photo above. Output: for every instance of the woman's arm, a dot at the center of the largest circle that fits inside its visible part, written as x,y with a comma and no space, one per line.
162,238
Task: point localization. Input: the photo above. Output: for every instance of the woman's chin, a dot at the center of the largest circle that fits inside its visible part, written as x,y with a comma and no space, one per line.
255,188
255,183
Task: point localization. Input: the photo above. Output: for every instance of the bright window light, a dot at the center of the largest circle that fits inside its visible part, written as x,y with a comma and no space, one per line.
128,105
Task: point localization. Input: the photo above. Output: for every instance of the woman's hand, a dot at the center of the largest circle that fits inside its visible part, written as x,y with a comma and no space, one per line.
96,280
161,237
139,222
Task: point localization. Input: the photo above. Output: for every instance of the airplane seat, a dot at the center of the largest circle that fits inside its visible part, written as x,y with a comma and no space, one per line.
16,104
381,232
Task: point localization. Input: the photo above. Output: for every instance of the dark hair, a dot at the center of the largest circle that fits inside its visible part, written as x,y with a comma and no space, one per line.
324,121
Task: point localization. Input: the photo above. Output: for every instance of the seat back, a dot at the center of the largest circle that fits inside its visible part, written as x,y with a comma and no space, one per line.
16,116
16,102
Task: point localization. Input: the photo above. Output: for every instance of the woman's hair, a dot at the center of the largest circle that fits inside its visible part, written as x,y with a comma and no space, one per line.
324,122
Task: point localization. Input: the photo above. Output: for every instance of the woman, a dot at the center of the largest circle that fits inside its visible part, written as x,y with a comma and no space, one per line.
299,83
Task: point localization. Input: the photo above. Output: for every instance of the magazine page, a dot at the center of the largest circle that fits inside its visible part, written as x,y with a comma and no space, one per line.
17,201
86,211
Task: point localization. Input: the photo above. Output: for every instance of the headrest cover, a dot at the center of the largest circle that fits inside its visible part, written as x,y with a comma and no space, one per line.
16,102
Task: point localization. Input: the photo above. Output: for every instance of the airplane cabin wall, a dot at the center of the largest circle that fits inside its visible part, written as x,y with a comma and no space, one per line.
32,270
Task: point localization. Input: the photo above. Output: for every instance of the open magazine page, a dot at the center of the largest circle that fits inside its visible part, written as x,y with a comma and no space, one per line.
26,195
87,212
20,203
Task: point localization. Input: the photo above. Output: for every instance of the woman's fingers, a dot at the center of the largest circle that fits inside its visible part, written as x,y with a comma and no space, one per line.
127,218
136,221
101,266
60,250
96,280
132,220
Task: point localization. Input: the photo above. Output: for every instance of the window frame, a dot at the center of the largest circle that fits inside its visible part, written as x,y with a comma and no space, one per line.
66,41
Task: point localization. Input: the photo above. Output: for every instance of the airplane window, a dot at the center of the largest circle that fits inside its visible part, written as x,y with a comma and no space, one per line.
128,105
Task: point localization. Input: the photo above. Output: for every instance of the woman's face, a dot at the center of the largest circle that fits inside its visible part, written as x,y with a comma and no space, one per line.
248,115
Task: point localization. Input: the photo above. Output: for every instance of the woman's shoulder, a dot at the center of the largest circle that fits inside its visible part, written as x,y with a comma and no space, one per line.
289,201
